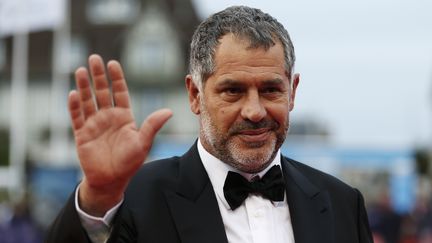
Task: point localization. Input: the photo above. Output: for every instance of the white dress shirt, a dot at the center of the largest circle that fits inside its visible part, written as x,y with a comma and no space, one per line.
257,220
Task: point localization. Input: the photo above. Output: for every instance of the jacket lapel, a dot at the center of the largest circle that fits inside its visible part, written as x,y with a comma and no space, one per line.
196,213
310,208
193,204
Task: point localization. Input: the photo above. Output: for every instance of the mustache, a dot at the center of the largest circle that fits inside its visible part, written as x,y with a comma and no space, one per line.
249,125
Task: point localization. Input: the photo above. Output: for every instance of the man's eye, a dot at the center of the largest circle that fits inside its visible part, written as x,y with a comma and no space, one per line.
270,90
233,91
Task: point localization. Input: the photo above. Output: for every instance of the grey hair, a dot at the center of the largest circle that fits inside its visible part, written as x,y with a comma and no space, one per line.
261,29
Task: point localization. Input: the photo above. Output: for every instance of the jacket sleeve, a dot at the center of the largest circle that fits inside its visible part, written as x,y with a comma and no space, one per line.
123,229
67,227
364,232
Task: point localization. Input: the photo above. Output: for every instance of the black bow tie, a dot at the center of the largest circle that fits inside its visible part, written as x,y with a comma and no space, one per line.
270,186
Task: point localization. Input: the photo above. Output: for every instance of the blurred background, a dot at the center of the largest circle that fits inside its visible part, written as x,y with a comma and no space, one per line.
363,109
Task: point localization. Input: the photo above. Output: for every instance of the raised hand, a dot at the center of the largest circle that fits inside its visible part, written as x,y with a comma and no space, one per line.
111,148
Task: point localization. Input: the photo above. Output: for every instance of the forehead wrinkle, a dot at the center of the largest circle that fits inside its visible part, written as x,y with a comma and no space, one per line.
255,75
229,64
248,69
256,64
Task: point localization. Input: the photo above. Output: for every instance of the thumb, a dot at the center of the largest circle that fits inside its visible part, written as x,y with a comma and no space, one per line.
151,125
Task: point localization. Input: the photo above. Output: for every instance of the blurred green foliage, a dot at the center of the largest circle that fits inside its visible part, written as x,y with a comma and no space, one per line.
423,161
4,147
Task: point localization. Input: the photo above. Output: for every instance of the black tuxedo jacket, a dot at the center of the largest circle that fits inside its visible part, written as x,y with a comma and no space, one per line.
172,200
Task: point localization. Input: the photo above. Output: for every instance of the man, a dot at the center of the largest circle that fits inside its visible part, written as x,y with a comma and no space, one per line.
242,87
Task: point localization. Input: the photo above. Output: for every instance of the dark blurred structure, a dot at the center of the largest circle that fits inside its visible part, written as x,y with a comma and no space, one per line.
149,37
117,29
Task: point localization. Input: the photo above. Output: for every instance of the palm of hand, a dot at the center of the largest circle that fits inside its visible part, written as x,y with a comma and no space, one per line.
110,146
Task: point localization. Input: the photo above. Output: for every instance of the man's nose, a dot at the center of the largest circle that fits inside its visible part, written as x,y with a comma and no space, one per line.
253,109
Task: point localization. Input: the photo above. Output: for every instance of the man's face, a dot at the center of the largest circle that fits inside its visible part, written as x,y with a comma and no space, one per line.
244,106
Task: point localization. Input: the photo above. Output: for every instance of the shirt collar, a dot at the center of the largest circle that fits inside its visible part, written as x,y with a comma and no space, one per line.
217,170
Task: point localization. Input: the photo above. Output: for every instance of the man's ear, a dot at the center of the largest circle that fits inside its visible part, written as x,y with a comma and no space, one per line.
295,81
194,94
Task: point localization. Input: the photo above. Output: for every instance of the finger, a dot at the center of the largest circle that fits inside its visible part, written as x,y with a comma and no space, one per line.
74,104
85,93
152,124
100,81
119,86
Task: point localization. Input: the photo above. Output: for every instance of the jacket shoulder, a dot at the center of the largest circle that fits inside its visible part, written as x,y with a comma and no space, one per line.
155,173
321,179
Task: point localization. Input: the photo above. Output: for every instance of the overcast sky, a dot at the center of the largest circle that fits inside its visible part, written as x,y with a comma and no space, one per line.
366,66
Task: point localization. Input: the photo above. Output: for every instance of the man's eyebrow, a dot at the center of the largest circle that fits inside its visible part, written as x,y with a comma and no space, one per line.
228,82
276,81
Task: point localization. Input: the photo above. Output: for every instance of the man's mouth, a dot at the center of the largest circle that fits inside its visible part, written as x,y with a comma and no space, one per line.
255,135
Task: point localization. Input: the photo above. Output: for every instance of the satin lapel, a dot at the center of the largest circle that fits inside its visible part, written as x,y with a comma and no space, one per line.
310,208
193,205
